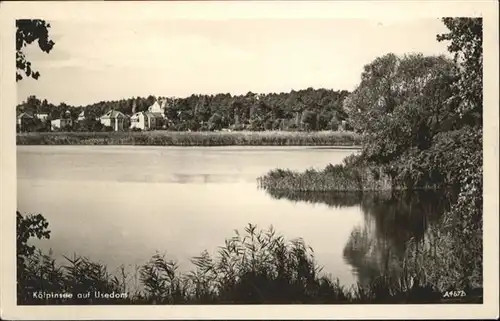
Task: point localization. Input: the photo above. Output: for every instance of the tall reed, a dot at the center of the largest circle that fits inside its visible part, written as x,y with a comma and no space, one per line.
258,266
346,177
169,138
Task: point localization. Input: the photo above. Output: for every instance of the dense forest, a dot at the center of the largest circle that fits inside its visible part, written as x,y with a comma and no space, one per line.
309,109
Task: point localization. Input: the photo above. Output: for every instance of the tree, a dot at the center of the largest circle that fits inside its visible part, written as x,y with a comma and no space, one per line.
399,95
215,122
401,105
27,32
334,124
27,227
33,104
465,219
309,119
374,96
150,100
465,38
45,108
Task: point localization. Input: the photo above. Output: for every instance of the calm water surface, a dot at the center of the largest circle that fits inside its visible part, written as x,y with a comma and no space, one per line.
121,204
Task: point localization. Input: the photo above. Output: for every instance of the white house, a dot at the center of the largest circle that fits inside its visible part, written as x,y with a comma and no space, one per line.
81,116
146,120
115,119
157,108
42,116
152,119
61,123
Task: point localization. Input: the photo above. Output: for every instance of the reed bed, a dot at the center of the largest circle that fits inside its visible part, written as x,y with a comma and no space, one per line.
256,266
340,178
170,138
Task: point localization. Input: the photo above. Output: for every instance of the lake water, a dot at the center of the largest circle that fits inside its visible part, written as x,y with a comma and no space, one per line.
121,204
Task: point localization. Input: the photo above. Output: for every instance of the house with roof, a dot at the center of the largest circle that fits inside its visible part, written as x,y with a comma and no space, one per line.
158,107
153,118
59,123
25,122
146,120
115,119
62,122
81,116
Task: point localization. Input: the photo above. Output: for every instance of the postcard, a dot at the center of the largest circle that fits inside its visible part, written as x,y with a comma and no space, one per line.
249,159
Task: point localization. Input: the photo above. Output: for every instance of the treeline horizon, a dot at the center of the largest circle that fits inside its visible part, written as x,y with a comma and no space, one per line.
308,109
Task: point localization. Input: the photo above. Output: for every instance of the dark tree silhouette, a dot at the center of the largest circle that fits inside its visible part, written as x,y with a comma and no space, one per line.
28,31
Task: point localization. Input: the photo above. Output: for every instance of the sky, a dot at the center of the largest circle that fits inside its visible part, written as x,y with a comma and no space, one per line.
91,61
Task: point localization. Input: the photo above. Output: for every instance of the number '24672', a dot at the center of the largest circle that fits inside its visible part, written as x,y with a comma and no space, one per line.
454,294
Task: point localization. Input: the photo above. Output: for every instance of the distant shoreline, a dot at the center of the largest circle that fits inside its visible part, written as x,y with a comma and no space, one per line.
319,139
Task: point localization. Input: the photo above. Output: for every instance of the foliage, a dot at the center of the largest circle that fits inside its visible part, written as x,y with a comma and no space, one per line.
162,281
422,123
410,110
88,125
465,39
401,104
309,119
29,31
464,221
215,122
28,227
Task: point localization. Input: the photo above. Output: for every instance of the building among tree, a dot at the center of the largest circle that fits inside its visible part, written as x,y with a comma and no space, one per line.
153,118
42,116
146,120
25,122
115,119
61,123
81,116
158,107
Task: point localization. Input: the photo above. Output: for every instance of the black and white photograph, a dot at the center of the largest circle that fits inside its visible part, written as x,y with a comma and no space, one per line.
220,160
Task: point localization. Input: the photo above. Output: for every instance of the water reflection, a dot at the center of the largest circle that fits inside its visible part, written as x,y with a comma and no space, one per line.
337,199
377,246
